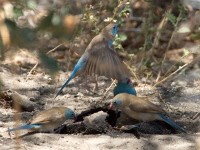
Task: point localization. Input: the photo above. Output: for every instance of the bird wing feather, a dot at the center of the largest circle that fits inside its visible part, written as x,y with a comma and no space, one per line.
145,106
103,60
50,115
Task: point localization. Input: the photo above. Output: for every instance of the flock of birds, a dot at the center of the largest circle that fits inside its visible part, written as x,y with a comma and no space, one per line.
101,58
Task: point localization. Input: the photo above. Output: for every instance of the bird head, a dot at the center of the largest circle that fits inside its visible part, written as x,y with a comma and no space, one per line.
125,80
69,114
116,104
115,29
110,31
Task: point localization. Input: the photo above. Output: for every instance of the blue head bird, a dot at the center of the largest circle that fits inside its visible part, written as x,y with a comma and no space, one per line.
100,58
47,120
69,114
124,86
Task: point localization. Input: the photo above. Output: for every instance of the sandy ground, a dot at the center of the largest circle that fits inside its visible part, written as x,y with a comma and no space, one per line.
99,142
180,97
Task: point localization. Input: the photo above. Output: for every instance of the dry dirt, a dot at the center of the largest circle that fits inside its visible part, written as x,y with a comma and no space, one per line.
180,97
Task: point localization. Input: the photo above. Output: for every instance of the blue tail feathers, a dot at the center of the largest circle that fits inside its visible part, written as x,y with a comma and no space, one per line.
68,80
25,127
172,123
79,66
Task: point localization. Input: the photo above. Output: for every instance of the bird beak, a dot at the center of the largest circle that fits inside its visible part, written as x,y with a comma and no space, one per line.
75,117
111,106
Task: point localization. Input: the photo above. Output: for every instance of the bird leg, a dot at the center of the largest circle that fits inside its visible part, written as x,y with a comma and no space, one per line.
96,87
129,129
84,84
58,129
88,88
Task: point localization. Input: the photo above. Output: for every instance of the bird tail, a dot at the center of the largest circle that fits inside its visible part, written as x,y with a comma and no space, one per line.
172,123
73,74
25,127
79,66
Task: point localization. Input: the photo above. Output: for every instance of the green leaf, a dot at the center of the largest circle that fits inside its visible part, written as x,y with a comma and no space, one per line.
171,18
17,12
31,4
122,37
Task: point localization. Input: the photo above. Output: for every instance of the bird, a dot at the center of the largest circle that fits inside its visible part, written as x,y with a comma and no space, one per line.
141,109
100,58
124,86
47,120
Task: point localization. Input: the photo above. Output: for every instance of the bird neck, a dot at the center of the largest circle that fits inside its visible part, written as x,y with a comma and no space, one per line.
107,36
126,81
110,43
123,85
123,105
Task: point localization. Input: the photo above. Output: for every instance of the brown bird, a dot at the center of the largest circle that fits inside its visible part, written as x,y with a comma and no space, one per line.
141,109
100,58
47,120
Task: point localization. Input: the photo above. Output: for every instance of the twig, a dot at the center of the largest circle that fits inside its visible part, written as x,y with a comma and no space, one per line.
157,37
196,115
162,23
171,38
158,30
176,63
135,18
136,30
171,74
104,95
30,72
131,71
120,6
181,68
158,33
158,76
52,50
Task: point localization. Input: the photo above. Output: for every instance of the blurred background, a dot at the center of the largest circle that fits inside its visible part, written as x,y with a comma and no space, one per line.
157,37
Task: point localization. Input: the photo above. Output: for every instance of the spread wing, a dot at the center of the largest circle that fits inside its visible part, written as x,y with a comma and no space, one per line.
103,60
144,106
47,116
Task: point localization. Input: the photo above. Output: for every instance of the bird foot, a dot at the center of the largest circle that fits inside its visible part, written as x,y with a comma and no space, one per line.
130,129
127,127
